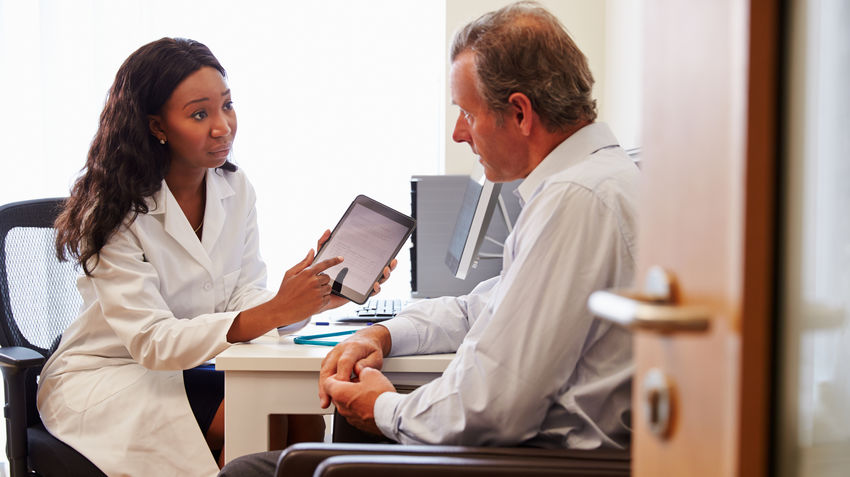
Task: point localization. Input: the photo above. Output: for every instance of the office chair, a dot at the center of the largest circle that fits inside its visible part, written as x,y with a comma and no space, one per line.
39,299
376,460
357,453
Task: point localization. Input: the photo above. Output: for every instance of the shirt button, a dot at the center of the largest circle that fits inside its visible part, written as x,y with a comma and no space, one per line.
207,286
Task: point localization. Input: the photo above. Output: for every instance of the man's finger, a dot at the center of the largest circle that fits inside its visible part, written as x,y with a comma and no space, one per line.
359,367
327,370
344,367
366,372
371,361
333,387
327,386
324,395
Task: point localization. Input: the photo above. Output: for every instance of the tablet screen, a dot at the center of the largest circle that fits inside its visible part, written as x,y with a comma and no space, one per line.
367,237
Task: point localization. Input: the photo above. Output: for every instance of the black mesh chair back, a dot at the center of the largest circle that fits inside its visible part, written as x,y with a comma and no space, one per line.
38,293
38,299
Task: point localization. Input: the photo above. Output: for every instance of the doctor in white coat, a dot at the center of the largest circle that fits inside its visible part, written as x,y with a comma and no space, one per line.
164,228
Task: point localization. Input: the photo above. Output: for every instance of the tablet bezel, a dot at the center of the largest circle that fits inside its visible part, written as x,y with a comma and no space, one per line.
408,222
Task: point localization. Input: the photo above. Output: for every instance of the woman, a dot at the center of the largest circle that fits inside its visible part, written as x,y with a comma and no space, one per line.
164,228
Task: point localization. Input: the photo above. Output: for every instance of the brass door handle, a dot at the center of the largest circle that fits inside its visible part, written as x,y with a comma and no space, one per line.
651,310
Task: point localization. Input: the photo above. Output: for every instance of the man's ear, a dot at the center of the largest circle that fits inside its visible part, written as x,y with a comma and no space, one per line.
521,112
155,126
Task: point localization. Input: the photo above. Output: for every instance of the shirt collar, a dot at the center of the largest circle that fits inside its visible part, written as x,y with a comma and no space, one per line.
573,150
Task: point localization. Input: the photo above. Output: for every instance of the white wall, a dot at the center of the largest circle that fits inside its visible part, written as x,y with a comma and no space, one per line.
607,31
334,98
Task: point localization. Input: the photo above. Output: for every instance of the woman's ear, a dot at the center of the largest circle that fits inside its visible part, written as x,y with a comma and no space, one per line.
521,112
155,126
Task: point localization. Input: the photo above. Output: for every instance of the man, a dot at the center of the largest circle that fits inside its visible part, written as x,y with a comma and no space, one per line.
532,366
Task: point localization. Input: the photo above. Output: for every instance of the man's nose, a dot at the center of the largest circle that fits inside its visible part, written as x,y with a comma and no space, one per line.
461,134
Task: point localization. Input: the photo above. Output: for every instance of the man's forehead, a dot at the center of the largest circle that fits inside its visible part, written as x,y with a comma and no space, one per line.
462,74
465,58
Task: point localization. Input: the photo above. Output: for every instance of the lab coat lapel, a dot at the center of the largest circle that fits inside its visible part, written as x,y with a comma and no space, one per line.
177,226
218,189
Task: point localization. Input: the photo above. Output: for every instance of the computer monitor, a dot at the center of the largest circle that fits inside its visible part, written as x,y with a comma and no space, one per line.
479,202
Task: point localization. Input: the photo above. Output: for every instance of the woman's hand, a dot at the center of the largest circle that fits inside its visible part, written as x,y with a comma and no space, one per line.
305,290
385,276
335,301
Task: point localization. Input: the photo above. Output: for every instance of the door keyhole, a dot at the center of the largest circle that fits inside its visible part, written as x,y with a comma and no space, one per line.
657,405
653,399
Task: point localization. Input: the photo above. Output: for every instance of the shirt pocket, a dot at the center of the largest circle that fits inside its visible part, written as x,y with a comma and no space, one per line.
227,285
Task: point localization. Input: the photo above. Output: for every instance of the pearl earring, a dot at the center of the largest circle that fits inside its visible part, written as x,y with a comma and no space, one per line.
162,141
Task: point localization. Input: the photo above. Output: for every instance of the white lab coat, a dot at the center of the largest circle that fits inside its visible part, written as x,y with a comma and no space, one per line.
160,301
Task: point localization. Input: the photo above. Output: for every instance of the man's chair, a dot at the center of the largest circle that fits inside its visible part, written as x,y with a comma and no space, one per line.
357,453
377,460
39,299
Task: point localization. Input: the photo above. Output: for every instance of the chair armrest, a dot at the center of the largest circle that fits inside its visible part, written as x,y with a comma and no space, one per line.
20,357
426,466
303,458
15,361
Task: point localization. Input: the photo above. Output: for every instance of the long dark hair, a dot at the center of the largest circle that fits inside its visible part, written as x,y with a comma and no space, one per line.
126,163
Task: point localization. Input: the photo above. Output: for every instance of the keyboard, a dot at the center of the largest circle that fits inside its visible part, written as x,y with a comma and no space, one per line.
374,310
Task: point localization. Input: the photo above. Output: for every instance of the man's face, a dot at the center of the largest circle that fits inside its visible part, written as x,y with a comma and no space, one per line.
498,147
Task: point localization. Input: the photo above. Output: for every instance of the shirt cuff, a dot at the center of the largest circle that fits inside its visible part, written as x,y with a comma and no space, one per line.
384,411
404,336
291,328
221,322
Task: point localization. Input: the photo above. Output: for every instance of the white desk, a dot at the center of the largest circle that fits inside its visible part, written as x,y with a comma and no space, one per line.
272,375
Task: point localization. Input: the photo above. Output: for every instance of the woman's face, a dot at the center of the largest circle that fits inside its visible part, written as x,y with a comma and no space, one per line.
198,121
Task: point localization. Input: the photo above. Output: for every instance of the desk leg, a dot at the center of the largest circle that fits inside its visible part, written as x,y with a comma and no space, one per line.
251,396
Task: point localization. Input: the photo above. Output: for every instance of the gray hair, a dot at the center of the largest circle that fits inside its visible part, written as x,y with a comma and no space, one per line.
524,48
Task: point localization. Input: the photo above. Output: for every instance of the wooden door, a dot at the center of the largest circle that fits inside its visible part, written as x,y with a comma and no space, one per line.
707,217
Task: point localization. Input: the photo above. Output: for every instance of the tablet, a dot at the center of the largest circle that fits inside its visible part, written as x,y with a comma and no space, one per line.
367,237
